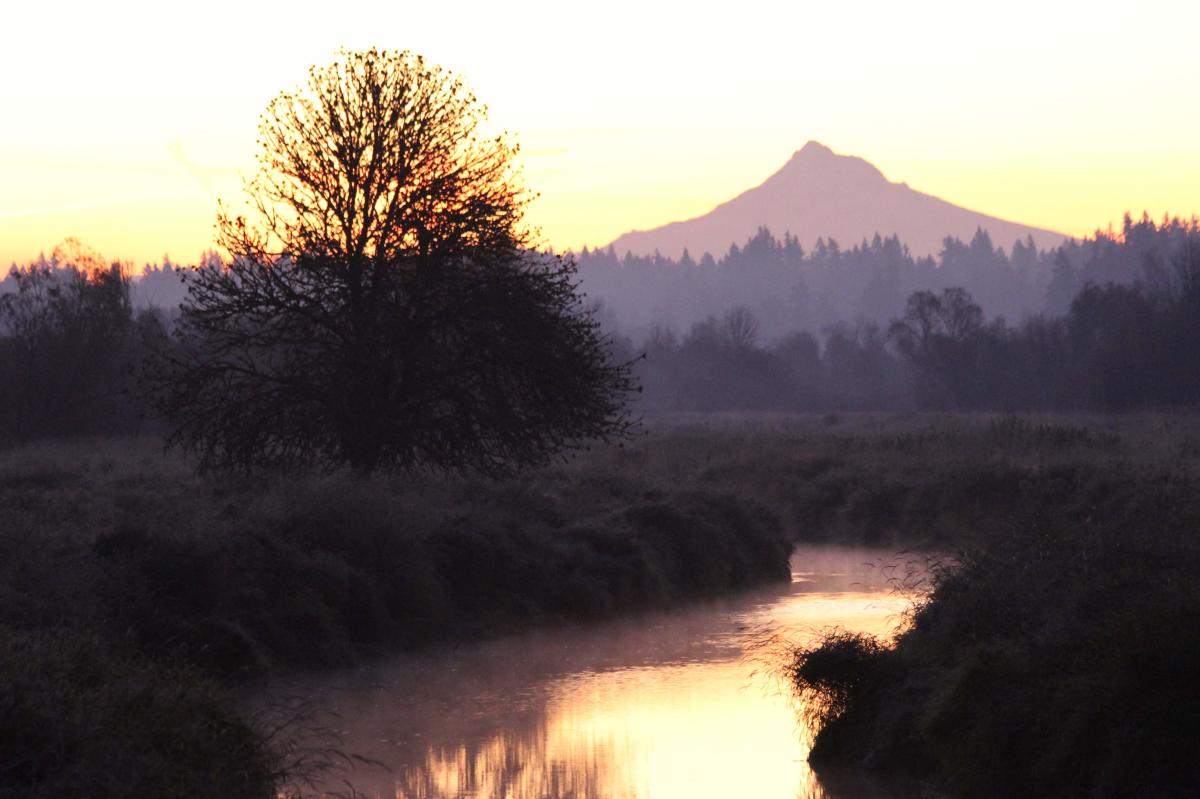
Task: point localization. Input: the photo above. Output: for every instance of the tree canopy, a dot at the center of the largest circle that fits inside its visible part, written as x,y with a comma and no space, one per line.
382,304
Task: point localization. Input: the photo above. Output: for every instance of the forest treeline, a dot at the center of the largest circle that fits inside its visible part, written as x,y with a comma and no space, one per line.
1123,339
789,288
1119,321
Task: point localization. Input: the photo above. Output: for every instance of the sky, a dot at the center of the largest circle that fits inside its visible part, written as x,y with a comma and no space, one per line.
123,123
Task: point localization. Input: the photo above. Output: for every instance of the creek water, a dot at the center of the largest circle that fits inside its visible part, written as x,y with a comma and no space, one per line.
671,705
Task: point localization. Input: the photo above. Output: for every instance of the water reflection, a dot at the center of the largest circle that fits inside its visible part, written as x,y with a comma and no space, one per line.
666,706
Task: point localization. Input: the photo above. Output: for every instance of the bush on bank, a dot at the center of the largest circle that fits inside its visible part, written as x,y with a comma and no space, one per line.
82,716
114,542
123,578
1057,661
324,571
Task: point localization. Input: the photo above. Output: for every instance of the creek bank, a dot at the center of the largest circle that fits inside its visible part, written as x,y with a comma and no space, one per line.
189,583
1057,660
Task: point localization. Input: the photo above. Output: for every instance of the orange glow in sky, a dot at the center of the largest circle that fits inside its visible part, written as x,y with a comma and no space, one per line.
126,121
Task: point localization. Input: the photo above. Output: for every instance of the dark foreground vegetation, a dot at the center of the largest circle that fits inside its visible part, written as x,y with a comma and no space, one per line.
1054,659
1057,657
84,715
128,584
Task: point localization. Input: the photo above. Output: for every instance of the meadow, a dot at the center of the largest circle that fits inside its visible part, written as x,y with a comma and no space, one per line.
134,594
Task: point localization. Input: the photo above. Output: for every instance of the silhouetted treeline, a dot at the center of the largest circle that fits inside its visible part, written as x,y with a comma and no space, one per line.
1141,253
788,288
70,345
870,328
1117,346
721,364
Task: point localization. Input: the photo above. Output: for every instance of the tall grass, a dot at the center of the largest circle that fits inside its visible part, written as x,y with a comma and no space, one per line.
126,584
1057,659
82,716
310,570
115,542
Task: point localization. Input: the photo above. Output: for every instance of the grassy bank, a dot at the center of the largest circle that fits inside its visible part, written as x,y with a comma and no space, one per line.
1058,658
241,576
81,715
232,578
114,547
941,481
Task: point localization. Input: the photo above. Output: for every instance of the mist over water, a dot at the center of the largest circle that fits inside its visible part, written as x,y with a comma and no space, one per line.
665,705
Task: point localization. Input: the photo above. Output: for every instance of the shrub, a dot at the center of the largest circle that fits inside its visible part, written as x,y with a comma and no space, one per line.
80,716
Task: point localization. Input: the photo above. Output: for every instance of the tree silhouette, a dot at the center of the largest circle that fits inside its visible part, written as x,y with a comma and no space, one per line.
939,335
739,328
65,336
386,307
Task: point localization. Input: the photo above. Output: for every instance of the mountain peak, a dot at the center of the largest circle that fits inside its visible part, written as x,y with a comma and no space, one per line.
814,162
819,193
813,148
812,154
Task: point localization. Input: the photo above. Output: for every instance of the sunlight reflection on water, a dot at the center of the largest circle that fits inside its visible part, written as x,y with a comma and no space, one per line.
664,706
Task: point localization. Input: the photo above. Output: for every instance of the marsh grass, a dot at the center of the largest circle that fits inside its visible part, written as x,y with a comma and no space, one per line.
1057,657
929,480
80,716
233,577
318,570
128,585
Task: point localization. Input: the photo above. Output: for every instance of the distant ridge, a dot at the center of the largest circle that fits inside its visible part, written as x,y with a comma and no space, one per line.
819,193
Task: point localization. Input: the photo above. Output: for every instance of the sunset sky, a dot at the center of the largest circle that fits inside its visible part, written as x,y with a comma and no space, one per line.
125,121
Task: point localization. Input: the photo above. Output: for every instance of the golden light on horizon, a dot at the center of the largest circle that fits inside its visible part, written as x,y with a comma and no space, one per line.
128,122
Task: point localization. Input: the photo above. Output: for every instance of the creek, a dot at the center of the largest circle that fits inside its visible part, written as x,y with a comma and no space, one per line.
668,705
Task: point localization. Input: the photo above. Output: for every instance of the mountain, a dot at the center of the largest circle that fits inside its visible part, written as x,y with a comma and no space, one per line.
819,193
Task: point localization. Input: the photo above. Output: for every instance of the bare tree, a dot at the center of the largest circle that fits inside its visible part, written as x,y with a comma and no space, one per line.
939,337
740,327
386,308
931,322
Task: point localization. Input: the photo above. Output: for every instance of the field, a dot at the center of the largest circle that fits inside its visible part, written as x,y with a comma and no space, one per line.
133,590
133,594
